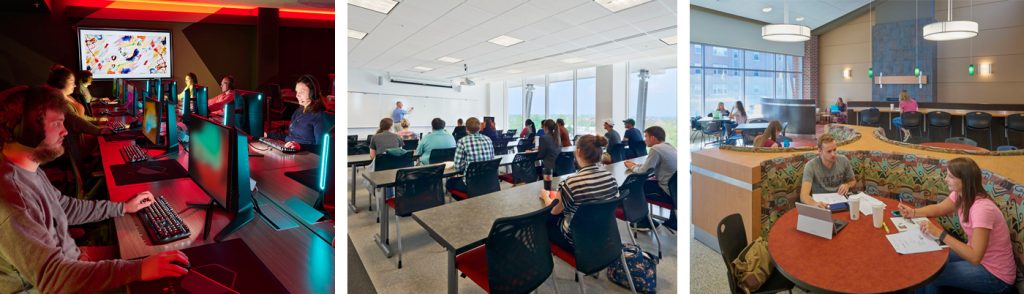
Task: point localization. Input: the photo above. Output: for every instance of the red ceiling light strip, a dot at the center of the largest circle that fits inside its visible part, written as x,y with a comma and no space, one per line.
188,8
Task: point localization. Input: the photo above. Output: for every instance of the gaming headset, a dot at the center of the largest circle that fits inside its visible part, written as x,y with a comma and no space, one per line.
27,130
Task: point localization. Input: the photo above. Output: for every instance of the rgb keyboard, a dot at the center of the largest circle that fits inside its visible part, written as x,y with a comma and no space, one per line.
161,222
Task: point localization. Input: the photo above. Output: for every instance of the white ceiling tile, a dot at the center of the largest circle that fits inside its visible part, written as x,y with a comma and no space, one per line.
495,6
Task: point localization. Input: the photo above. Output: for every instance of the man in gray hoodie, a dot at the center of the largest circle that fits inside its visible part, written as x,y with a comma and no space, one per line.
37,254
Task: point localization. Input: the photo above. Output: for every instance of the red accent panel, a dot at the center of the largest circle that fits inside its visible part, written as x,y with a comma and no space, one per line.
391,202
565,255
661,203
507,178
620,214
473,264
459,194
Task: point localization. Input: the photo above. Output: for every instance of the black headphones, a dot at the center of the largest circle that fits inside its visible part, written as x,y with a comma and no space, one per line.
29,130
314,94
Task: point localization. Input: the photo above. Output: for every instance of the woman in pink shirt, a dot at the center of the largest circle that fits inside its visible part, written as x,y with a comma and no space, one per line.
985,263
906,104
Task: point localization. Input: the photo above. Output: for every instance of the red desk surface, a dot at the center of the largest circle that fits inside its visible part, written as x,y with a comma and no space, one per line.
954,146
857,260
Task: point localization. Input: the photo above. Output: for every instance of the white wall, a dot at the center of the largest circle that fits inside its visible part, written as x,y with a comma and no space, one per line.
611,95
716,29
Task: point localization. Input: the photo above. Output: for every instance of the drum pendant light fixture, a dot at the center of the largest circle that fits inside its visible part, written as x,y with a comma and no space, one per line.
950,30
785,32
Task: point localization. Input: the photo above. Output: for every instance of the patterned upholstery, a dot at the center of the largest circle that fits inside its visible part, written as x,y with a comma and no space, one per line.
843,135
912,178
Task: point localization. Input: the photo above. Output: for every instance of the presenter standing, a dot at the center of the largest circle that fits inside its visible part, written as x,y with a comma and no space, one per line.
399,113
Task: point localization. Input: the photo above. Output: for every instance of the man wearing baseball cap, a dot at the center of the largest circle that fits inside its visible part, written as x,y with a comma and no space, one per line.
612,135
634,139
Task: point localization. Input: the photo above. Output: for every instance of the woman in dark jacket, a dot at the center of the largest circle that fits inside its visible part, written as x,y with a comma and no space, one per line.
548,150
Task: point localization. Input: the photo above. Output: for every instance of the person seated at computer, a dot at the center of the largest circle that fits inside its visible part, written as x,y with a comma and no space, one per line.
37,253
589,184
436,139
828,173
190,89
985,263
227,95
487,129
563,133
548,148
305,131
662,161
720,111
459,131
84,79
529,129
63,79
404,131
770,137
474,147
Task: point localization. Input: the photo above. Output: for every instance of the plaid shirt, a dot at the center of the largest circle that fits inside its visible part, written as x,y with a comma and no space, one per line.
472,147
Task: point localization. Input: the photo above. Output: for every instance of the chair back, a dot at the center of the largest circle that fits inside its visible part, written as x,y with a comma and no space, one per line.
418,188
524,168
565,163
385,161
1015,122
978,120
482,177
938,120
869,117
962,140
500,146
672,187
617,152
410,144
634,203
595,235
636,149
732,238
441,155
518,253
912,119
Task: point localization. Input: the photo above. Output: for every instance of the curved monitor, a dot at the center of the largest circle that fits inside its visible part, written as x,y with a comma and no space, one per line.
124,53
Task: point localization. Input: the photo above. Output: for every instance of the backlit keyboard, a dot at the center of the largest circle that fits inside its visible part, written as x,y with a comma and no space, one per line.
162,223
276,144
118,126
133,153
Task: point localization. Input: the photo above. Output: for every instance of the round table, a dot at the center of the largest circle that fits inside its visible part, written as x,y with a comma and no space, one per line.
859,259
953,146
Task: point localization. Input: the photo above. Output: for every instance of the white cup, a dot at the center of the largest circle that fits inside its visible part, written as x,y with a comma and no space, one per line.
877,211
854,207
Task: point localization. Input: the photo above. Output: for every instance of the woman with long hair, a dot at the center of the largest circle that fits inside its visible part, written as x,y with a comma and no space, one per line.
770,136
548,149
739,113
305,131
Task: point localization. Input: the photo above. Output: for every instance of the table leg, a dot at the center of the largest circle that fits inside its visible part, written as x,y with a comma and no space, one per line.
453,282
382,237
352,202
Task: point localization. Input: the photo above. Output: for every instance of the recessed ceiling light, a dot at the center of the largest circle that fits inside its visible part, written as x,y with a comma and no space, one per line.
382,6
573,60
422,68
513,71
669,40
449,59
766,9
618,5
799,18
506,41
354,34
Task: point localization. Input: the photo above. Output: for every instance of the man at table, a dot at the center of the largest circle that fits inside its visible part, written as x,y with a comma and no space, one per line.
612,135
437,139
662,160
633,139
399,113
37,254
828,173
472,147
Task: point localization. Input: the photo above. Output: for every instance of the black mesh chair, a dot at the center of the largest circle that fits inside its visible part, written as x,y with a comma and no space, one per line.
939,126
514,257
617,152
711,128
500,146
913,120
441,155
353,147
385,161
634,206
524,169
595,237
510,133
732,238
869,117
410,144
565,164
670,206
979,122
416,189
636,149
481,178
1015,130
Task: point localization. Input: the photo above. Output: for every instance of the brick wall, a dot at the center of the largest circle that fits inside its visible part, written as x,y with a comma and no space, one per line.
810,68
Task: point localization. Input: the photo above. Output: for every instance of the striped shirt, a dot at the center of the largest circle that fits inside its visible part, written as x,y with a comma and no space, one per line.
471,148
587,185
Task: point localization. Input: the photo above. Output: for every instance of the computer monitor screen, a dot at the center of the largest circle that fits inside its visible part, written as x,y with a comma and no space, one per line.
210,158
201,106
151,121
129,99
250,118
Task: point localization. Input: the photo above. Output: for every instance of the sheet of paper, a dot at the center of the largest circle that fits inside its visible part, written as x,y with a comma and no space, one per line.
866,202
830,198
903,224
912,241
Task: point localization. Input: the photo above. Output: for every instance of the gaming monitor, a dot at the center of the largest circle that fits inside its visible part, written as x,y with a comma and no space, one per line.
125,53
251,110
151,122
160,117
201,106
218,162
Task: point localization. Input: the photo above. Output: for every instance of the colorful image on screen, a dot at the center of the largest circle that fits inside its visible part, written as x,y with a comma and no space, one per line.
127,54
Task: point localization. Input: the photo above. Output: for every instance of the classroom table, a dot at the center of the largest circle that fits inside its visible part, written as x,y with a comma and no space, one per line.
949,145
464,225
285,252
354,162
859,259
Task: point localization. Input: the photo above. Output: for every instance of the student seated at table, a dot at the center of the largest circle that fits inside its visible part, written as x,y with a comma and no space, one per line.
190,87
487,129
563,133
404,131
529,129
548,150
984,264
384,139
459,131
589,184
37,253
907,104
611,134
63,79
738,113
227,95
828,173
770,137
305,131
473,147
84,79
720,111
662,160
436,139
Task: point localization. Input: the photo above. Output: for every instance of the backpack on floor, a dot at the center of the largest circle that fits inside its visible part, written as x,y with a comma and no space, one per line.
642,267
753,266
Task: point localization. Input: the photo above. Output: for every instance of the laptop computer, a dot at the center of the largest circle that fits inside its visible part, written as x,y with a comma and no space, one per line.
817,221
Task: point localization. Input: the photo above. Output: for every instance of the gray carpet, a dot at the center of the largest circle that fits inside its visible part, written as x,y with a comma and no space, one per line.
358,280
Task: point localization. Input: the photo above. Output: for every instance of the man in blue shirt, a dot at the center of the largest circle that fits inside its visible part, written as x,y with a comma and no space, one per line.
437,139
398,114
633,139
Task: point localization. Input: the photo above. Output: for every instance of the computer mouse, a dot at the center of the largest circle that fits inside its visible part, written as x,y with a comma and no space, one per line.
182,265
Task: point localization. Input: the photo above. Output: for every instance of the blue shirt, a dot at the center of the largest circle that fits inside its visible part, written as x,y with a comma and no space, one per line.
306,128
490,133
633,135
438,139
398,114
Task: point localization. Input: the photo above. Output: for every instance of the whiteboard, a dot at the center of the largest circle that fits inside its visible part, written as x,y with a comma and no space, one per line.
366,109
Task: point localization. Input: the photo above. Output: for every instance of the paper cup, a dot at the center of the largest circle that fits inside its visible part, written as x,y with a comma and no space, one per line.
877,213
854,208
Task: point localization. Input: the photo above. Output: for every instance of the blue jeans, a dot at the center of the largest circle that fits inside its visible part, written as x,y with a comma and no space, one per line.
897,122
960,274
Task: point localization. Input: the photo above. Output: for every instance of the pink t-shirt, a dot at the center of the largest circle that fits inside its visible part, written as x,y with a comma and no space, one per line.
909,105
998,258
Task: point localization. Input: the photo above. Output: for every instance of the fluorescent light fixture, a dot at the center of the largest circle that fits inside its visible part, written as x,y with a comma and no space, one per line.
354,34
422,68
504,40
573,60
382,6
619,5
669,40
449,59
513,71
799,18
766,9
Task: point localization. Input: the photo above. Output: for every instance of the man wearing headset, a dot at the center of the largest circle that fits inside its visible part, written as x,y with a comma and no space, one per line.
37,254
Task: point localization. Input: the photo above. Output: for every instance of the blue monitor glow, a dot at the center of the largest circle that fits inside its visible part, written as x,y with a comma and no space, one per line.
219,164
